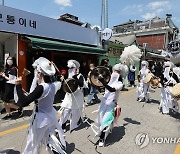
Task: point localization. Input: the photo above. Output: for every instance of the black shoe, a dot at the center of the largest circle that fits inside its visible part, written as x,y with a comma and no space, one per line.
20,112
88,104
98,101
7,117
80,122
138,99
147,101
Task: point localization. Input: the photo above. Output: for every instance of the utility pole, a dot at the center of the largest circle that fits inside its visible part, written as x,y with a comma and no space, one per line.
102,11
3,2
104,14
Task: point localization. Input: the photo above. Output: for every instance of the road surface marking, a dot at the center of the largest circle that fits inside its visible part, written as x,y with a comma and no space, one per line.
177,150
14,129
129,91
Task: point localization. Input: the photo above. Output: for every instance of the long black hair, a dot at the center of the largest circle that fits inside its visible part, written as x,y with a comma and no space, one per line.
13,65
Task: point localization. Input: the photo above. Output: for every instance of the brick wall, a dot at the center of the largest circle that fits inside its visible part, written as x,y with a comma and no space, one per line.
154,41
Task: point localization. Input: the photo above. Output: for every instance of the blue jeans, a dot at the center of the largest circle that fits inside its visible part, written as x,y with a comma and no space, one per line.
92,94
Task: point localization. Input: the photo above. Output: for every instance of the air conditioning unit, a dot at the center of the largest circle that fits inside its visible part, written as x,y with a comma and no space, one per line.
145,45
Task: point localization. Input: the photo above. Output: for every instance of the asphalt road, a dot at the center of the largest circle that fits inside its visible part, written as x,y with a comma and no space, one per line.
141,129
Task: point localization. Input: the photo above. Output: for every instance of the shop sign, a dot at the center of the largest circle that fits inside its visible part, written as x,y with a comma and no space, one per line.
22,22
10,19
106,34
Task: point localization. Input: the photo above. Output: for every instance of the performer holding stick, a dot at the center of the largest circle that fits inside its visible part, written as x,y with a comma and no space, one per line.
106,112
168,80
143,87
43,121
73,102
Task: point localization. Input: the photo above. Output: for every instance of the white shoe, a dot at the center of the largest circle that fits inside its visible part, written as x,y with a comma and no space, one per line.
101,143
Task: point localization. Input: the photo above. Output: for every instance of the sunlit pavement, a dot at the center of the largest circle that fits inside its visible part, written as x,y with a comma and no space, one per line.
141,129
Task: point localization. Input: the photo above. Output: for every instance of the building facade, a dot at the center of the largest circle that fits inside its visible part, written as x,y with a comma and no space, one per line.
28,36
155,33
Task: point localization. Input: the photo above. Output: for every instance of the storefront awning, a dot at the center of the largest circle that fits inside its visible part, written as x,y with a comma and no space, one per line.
46,44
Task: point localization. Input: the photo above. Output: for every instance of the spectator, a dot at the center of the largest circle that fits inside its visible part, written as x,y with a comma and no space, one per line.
125,81
131,75
105,63
158,69
10,75
93,89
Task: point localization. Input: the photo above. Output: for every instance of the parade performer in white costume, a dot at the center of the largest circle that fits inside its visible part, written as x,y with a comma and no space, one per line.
106,112
168,80
143,95
44,123
72,105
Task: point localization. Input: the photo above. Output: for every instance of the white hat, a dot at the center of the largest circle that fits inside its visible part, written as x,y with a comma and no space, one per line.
35,63
45,66
116,67
144,63
121,68
168,64
73,63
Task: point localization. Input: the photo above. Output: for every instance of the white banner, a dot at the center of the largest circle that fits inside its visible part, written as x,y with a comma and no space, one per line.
17,21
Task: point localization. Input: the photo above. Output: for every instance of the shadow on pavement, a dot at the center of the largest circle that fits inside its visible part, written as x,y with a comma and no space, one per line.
9,151
124,89
116,136
154,101
70,147
176,116
85,124
27,113
129,120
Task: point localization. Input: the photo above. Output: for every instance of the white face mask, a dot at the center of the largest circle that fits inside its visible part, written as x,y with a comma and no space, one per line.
114,76
91,68
9,62
71,72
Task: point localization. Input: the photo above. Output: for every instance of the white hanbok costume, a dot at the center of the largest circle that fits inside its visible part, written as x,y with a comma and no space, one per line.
44,123
167,101
142,87
72,105
109,101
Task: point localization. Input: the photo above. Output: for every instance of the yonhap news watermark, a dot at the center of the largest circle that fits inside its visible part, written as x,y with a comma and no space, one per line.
143,139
